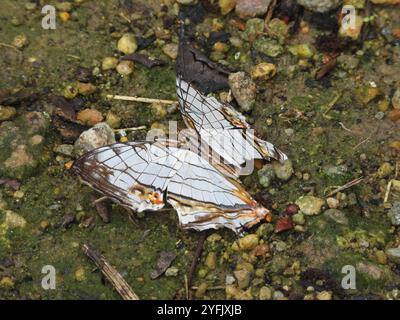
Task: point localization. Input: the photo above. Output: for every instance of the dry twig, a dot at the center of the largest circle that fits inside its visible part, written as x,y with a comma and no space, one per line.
141,99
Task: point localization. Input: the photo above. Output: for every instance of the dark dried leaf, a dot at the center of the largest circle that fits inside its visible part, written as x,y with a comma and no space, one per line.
144,60
283,224
101,209
164,261
195,67
18,98
325,69
63,108
67,220
69,130
143,43
15,184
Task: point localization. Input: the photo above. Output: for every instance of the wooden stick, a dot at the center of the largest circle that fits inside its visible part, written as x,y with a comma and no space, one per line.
131,129
199,249
346,186
110,273
140,99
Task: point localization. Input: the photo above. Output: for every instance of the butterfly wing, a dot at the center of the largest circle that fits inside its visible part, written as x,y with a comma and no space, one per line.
134,175
141,175
223,128
205,199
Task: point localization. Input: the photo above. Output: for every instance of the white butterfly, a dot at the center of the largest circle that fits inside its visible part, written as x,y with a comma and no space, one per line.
144,175
222,128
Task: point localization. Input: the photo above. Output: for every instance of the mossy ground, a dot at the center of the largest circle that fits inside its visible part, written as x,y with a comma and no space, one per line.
319,140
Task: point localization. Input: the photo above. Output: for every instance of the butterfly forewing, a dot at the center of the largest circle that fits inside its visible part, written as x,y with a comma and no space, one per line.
222,128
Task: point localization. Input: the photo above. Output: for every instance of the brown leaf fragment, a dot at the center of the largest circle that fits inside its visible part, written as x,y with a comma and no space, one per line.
15,184
164,261
144,60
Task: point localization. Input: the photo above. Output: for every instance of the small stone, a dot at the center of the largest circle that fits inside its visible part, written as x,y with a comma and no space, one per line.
302,51
348,62
226,6
20,41
333,171
64,149
80,274
243,278
229,279
248,242
310,205
333,203
370,269
289,132
385,170
324,295
337,216
19,194
394,213
125,68
89,117
278,295
393,254
86,89
14,221
7,113
263,71
266,175
171,50
98,136
394,115
7,283
299,219
396,99
211,261
172,272
113,120
348,31
283,171
246,9
381,257
109,63
201,290
319,5
267,46
265,293
278,29
243,89
44,225
127,43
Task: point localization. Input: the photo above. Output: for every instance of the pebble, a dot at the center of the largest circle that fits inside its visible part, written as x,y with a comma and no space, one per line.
347,31
243,89
243,278
89,117
385,170
80,274
13,220
201,290
381,257
7,113
265,293
229,279
226,6
20,41
333,203
370,270
393,254
269,47
172,272
264,71
289,132
324,295
109,63
310,205
98,136
171,50
127,43
125,68
394,115
113,120
283,171
319,5
7,283
266,175
278,295
396,99
299,219
303,51
246,9
248,242
64,149
394,213
86,89
337,216
211,261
